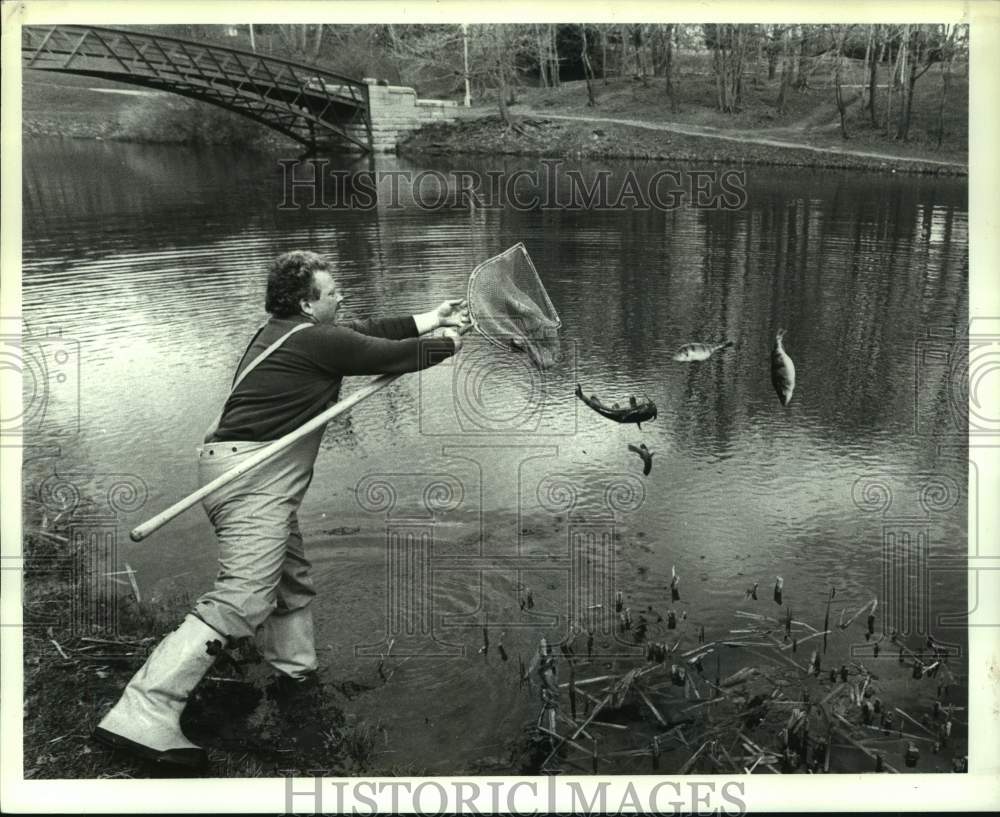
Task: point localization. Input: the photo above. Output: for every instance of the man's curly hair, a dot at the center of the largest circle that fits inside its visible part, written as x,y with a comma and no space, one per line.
290,281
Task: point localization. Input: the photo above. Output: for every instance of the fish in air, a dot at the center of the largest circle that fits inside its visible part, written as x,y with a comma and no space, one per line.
692,352
647,457
782,370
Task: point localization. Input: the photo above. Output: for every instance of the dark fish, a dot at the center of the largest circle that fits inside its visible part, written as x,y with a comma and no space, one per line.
782,370
636,412
699,351
647,457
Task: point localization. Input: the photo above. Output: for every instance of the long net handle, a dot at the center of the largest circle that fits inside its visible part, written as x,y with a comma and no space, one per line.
142,531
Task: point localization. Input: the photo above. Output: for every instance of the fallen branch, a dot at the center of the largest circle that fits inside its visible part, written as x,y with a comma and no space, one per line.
652,708
804,640
604,702
693,759
854,618
60,649
563,739
134,583
594,680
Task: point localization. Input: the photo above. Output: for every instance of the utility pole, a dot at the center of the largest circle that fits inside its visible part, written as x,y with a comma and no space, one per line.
465,48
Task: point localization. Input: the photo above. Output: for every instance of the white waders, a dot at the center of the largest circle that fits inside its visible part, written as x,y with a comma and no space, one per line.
263,584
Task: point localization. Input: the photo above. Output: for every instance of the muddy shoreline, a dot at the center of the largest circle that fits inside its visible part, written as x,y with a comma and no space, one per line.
563,139
768,697
542,136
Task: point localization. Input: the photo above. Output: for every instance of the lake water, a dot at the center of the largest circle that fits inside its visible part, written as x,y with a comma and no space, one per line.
440,502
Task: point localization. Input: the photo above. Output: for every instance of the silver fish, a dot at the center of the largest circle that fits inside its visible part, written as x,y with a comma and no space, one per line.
782,370
699,351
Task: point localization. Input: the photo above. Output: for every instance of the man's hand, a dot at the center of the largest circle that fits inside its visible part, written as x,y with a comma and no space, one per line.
456,337
450,313
453,313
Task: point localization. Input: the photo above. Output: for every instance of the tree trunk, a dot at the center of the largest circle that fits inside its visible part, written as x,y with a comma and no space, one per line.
542,57
604,54
801,75
892,81
949,57
640,54
554,58
920,54
906,70
668,68
318,44
841,106
873,76
500,60
786,71
864,68
588,70
772,53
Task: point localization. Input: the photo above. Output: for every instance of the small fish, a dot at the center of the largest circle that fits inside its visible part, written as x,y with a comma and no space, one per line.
647,457
782,370
691,352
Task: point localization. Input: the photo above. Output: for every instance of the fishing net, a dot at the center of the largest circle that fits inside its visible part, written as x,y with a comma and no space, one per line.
511,309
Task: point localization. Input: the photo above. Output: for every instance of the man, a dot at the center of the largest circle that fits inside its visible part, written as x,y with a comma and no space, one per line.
290,373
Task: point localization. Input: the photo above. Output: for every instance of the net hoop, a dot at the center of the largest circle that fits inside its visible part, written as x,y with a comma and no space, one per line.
491,262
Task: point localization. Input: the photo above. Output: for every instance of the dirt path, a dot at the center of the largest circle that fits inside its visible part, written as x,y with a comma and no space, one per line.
741,136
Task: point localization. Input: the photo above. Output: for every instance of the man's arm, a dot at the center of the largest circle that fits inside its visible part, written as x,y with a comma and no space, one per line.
398,328
343,352
449,313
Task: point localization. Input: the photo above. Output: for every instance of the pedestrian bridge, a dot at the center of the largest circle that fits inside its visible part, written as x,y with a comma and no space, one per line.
320,110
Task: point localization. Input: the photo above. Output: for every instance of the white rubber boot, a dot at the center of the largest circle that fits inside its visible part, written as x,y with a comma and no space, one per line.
287,643
146,719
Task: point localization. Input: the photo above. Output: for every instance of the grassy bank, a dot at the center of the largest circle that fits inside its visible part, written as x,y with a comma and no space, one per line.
70,106
560,138
633,120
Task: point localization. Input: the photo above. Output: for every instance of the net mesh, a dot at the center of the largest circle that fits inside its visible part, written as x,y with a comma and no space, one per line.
509,306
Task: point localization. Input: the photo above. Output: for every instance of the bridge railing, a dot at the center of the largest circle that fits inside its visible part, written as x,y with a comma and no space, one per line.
166,58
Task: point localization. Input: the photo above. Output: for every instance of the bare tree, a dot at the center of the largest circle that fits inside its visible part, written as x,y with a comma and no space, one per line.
303,41
604,53
668,67
840,36
895,72
801,73
948,58
554,66
774,49
923,53
588,70
882,44
542,55
729,44
787,69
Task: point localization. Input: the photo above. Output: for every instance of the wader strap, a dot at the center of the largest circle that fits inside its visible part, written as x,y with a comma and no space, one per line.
250,367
